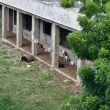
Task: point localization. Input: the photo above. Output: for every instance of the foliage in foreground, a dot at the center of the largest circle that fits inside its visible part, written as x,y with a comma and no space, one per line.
67,3
96,95
92,43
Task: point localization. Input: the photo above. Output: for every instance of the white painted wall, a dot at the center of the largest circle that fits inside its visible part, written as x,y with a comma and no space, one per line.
66,17
14,29
26,33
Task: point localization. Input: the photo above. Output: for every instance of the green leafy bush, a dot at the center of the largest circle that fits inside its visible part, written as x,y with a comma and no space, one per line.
67,3
92,43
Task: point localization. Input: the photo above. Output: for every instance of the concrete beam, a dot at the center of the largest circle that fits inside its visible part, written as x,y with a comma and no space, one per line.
35,33
4,22
55,43
19,29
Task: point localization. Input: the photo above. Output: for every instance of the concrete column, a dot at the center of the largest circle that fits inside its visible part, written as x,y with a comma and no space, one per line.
35,33
55,51
8,19
79,64
4,22
24,21
19,29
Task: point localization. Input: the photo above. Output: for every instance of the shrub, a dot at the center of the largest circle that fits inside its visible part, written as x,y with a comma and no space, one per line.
67,3
92,43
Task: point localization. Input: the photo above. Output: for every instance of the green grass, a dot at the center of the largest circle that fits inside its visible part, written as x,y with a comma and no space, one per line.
31,89
3,52
6,103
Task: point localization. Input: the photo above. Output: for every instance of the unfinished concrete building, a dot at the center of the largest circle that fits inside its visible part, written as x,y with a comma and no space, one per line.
42,21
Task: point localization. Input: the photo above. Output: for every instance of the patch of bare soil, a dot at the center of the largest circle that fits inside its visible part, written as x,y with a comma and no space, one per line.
19,68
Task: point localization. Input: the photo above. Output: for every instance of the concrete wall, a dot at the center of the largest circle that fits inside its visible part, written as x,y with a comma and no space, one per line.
86,62
26,33
66,17
14,29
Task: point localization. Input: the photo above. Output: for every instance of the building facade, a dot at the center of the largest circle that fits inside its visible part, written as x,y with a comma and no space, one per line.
42,21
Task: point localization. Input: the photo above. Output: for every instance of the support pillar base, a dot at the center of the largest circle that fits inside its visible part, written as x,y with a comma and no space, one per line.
52,68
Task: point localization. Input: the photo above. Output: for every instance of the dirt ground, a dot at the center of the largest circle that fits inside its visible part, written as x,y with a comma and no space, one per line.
69,70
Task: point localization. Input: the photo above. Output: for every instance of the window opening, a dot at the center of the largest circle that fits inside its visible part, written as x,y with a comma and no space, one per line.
15,17
29,22
63,39
47,28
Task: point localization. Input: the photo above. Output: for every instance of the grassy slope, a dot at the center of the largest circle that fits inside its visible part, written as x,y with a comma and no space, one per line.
31,89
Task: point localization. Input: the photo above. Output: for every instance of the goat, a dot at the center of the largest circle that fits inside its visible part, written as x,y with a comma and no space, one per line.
64,53
71,63
47,50
66,58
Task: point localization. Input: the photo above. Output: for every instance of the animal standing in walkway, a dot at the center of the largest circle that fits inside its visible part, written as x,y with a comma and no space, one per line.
40,45
48,50
71,63
66,58
64,53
